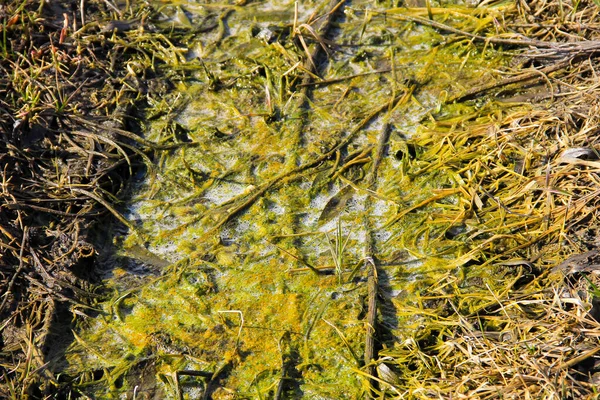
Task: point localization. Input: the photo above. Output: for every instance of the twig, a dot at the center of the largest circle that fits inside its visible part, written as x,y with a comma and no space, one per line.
523,42
369,263
309,65
289,176
113,7
372,286
344,78
82,12
576,360
533,75
440,195
132,136
17,272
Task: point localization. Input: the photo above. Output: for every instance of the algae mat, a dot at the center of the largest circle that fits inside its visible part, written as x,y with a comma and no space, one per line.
312,144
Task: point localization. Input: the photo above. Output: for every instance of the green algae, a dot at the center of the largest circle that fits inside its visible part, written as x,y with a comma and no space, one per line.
238,302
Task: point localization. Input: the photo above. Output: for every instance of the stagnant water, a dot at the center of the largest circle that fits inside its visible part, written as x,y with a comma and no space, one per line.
248,265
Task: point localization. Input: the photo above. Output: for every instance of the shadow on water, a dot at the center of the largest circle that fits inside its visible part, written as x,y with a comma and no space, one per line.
387,309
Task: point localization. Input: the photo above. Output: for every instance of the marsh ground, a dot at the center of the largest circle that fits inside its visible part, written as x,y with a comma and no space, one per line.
307,200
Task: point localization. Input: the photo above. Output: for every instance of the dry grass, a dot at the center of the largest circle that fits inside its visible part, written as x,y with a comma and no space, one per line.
529,188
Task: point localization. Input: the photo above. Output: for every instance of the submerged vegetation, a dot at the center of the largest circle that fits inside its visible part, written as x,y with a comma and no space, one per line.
320,200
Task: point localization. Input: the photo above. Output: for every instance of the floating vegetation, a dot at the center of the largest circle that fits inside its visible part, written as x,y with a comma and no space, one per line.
328,200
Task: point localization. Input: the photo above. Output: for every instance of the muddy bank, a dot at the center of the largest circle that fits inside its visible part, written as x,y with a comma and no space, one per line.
69,143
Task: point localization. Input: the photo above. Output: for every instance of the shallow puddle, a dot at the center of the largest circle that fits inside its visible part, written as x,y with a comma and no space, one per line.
246,276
